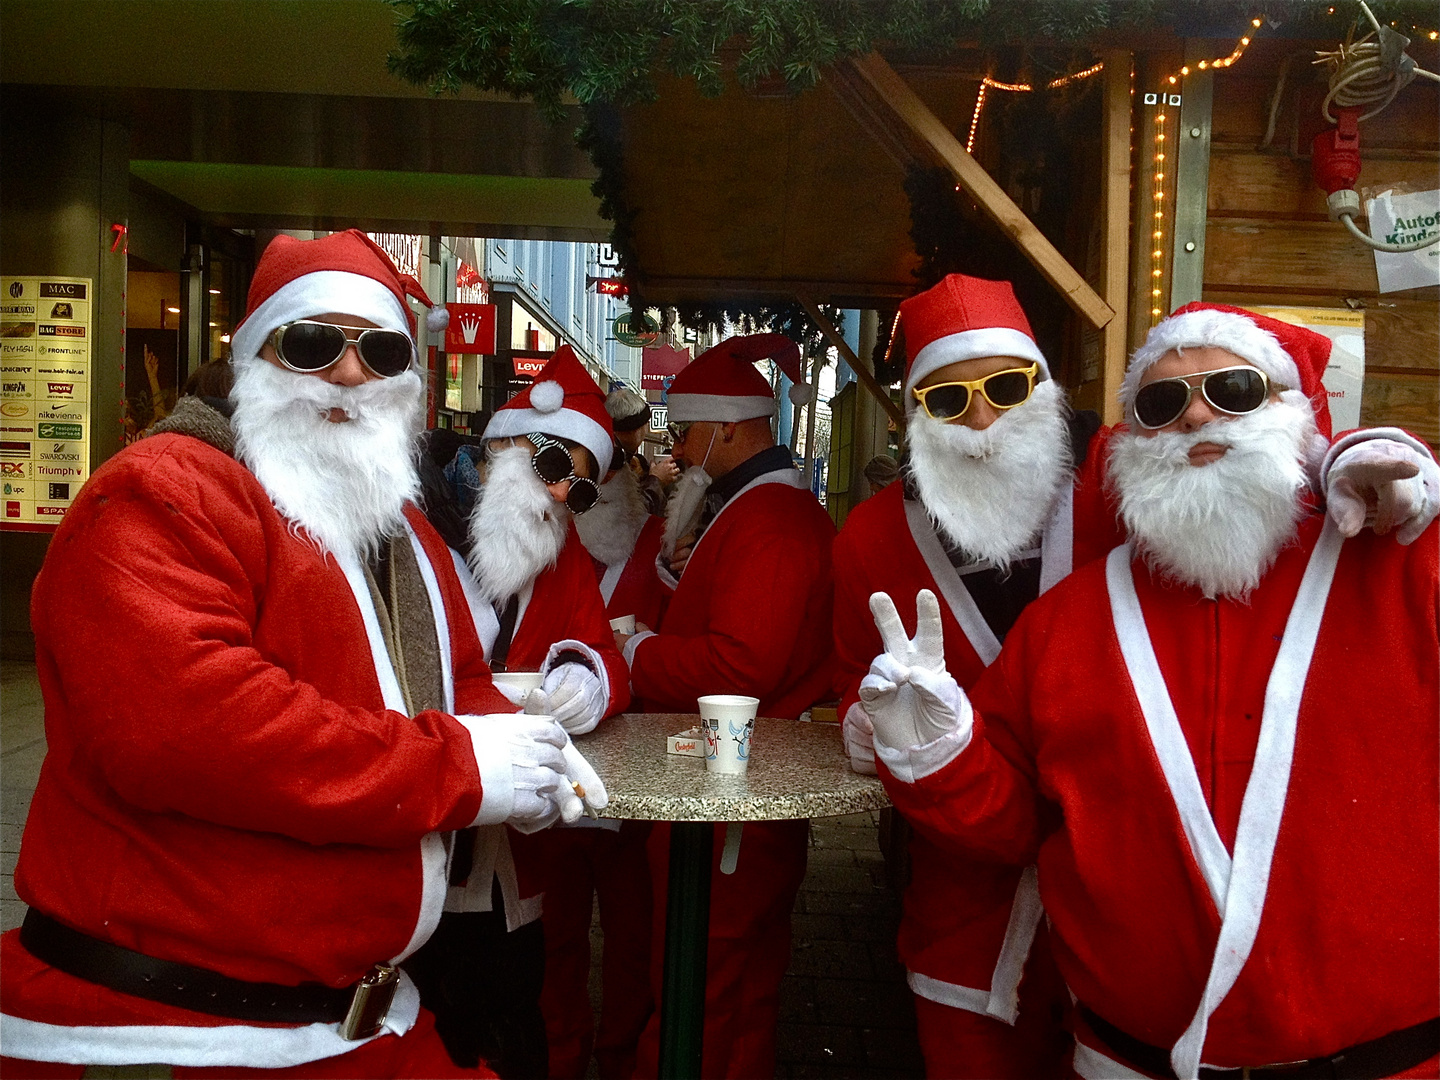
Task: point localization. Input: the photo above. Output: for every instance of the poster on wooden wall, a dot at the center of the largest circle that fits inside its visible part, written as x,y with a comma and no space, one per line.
1397,218
1345,375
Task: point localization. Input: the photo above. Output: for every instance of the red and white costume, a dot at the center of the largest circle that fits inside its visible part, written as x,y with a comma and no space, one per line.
751,615
230,777
968,923
1157,893
632,587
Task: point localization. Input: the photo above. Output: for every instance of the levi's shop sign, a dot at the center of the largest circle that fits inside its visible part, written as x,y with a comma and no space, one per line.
529,364
471,329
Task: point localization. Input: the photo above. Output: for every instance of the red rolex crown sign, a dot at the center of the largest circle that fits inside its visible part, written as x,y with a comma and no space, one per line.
471,329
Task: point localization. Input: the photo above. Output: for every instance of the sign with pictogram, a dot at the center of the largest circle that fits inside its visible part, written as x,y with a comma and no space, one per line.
471,329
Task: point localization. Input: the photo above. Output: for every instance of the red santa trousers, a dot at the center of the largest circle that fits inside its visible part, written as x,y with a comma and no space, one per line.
962,1045
748,952
584,863
419,1054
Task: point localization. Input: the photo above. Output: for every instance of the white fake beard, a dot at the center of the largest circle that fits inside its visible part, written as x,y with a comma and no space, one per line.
1217,527
989,492
345,484
610,528
517,529
685,507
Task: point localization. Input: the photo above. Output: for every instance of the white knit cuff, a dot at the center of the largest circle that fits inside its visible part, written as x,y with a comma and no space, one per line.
497,779
917,762
633,644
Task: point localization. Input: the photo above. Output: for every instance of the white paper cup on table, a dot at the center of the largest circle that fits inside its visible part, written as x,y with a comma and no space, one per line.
728,722
625,624
516,684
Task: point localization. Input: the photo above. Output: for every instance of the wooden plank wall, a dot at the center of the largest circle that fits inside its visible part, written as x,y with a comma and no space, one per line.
1269,239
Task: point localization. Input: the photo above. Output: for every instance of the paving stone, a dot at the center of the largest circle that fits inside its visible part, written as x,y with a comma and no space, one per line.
895,1049
10,835
826,1044
819,928
832,959
822,878
12,913
833,856
872,902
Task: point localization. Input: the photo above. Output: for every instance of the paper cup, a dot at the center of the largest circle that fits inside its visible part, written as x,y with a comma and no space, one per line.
523,681
625,624
728,722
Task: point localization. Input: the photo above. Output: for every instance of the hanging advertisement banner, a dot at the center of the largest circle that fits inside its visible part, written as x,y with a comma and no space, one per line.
471,329
661,363
44,398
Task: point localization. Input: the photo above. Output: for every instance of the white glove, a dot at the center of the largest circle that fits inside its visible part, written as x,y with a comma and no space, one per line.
575,697
534,746
910,697
513,694
578,772
1401,483
859,735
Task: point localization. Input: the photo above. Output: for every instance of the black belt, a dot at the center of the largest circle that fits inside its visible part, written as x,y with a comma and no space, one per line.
1385,1056
360,1008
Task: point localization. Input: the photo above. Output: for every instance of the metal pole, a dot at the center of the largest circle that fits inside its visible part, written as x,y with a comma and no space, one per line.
687,935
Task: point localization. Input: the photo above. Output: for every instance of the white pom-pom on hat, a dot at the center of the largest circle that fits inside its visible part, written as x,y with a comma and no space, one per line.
801,394
437,318
547,397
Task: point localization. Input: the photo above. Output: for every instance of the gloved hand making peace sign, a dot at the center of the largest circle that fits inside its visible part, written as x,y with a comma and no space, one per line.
912,700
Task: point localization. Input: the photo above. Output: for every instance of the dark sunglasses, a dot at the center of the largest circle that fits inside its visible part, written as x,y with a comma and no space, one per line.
1232,390
1003,389
678,429
554,465
314,346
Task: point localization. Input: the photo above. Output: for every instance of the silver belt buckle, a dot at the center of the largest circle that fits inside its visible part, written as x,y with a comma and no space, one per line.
371,1003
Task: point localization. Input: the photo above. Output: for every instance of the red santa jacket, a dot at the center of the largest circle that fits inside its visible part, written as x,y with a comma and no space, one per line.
752,612
561,610
636,588
967,923
228,780
1135,819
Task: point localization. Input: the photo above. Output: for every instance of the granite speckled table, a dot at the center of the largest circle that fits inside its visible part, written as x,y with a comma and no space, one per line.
797,770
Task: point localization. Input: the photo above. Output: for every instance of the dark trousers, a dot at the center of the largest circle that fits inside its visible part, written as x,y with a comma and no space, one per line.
483,985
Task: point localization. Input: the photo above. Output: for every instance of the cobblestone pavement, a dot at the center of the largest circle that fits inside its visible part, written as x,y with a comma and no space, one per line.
844,1008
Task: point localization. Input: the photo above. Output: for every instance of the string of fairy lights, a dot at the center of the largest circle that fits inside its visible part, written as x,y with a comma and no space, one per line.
1164,102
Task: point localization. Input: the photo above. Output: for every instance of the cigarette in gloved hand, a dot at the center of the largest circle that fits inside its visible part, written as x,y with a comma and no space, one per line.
580,794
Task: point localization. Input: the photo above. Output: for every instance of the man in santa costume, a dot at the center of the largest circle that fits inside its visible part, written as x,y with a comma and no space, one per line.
1228,783
606,860
536,608
265,706
750,547
1002,494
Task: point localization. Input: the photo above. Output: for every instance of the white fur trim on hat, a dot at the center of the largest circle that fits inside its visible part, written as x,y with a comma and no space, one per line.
562,423
324,292
801,394
437,318
719,408
1207,326
547,396
973,345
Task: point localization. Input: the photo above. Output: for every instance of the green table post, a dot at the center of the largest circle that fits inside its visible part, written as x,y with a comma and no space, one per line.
687,935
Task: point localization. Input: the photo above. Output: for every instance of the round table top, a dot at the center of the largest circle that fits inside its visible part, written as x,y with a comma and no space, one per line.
797,770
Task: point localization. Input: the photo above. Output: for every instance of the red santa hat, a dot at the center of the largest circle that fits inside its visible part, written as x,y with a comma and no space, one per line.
723,385
563,401
1292,356
964,318
345,273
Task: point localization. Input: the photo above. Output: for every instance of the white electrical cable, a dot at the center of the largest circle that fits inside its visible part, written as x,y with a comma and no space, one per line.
1365,73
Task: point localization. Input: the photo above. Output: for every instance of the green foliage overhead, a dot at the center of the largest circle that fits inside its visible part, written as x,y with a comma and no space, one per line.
607,50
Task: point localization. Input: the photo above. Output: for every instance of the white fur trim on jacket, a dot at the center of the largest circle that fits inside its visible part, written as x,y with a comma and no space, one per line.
324,292
633,644
222,1046
972,345
719,408
1221,329
563,424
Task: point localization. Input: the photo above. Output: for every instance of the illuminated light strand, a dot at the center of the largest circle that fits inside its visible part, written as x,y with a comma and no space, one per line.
975,120
1157,196
988,83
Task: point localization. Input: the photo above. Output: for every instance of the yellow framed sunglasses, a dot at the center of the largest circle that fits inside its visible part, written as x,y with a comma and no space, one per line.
949,401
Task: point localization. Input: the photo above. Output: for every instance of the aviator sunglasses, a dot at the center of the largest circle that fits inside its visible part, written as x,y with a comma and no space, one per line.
310,346
1002,389
554,465
1231,390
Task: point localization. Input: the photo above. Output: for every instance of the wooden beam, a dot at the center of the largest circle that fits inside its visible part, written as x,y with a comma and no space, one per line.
668,289
916,115
862,373
1115,140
